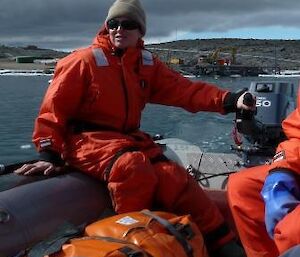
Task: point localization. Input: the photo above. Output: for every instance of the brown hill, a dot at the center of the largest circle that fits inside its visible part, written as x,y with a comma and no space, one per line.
8,55
30,50
285,54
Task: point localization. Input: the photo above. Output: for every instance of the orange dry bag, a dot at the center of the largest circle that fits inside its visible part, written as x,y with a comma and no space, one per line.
160,234
99,247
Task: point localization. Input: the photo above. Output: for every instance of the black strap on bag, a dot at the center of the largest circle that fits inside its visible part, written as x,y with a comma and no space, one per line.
129,252
67,233
185,230
170,227
54,243
126,250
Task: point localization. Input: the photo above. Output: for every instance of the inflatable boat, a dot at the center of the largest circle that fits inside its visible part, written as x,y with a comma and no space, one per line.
31,208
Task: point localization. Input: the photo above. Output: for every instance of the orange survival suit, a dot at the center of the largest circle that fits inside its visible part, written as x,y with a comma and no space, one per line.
90,118
247,204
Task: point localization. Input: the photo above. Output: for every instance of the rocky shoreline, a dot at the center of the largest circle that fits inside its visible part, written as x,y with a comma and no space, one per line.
284,54
249,52
13,65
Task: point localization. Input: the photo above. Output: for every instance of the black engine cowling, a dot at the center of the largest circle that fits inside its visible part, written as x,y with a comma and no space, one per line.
262,129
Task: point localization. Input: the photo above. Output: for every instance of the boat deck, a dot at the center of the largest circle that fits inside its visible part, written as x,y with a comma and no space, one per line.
210,169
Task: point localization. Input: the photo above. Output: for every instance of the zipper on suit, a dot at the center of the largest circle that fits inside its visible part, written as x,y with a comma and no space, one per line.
125,97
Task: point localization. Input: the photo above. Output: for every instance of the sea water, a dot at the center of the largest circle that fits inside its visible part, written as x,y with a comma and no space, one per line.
21,97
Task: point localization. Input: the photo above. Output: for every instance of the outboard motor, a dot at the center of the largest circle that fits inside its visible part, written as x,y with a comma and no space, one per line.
262,129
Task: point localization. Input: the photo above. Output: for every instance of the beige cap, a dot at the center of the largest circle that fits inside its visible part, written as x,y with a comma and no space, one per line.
128,8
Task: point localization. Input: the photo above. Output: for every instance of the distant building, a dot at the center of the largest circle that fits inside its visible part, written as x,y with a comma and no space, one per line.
34,59
25,59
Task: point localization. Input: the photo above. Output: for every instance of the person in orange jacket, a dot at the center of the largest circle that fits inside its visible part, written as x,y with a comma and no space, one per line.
265,199
90,119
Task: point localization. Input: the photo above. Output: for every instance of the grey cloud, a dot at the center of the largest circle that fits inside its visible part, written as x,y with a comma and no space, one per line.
73,23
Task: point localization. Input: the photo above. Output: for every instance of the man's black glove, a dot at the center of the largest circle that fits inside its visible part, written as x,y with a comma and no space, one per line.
231,100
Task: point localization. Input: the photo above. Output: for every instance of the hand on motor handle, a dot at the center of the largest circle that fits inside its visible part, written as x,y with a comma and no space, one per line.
39,167
237,101
246,101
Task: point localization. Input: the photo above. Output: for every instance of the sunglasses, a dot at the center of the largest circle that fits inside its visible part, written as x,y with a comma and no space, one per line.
125,24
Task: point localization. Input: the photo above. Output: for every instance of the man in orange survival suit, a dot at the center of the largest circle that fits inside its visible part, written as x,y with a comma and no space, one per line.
90,118
265,200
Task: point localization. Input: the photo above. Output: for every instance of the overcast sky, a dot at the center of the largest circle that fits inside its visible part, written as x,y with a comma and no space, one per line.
68,24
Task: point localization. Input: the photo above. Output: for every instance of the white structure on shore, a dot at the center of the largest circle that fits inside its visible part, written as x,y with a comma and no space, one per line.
283,74
8,72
